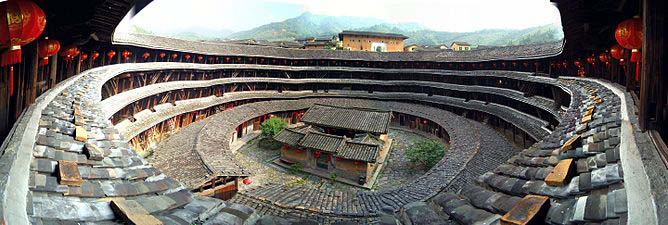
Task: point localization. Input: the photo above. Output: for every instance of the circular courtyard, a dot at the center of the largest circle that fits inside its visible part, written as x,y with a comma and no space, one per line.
396,170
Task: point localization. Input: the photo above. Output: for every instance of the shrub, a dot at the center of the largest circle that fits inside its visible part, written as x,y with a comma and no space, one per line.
425,152
295,168
272,126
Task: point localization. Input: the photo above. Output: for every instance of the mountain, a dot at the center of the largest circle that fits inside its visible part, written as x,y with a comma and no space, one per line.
493,37
305,25
188,33
312,25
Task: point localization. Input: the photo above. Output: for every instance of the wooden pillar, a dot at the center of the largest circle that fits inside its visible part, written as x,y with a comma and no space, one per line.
32,69
78,67
652,75
53,70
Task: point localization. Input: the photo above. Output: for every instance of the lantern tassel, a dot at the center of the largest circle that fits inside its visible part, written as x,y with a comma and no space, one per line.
44,61
11,56
11,81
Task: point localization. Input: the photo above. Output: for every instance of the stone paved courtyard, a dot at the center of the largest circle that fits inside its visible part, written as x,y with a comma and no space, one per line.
397,171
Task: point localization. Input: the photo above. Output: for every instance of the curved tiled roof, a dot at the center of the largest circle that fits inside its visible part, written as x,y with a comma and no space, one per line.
68,125
362,120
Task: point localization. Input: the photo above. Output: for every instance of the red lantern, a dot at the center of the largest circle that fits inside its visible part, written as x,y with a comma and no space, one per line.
591,60
95,55
617,52
357,162
629,33
22,21
316,154
69,52
111,54
227,59
174,56
162,55
604,57
126,54
286,147
210,59
246,181
187,57
577,63
47,48
84,57
199,58
146,55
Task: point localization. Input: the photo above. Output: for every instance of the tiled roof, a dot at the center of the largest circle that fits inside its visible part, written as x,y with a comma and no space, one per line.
365,120
322,141
460,43
289,136
375,34
358,151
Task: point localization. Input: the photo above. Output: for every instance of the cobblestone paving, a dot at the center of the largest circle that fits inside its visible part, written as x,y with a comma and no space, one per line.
258,159
398,170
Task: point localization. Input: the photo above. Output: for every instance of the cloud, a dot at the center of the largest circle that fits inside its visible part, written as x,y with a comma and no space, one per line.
443,15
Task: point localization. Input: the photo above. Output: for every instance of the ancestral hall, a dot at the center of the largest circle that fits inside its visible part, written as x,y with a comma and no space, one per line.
349,142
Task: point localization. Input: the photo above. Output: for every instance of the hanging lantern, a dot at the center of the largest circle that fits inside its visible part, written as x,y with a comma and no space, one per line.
95,55
83,57
187,56
126,54
357,162
111,54
316,154
174,56
69,52
565,63
146,55
199,58
162,55
47,48
591,60
246,181
227,59
604,57
577,63
22,21
629,33
617,52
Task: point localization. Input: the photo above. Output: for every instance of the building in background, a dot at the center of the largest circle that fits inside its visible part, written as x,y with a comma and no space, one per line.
319,43
372,41
460,46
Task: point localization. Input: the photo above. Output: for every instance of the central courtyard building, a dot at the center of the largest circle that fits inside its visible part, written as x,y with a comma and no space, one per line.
348,142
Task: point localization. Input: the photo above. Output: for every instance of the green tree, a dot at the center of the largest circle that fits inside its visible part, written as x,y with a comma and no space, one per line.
272,126
379,49
425,152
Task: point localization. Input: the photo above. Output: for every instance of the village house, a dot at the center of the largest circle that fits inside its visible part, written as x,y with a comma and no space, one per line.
460,46
349,142
372,41
318,43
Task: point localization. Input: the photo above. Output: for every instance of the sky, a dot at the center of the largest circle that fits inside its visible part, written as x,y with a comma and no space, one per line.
440,15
